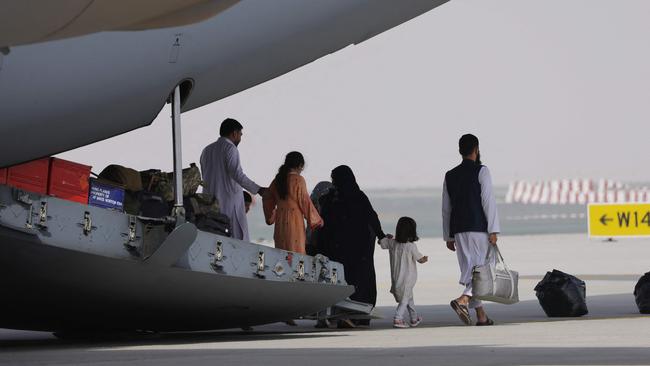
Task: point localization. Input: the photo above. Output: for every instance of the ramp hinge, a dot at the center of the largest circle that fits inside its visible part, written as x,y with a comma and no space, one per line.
30,223
301,270
42,215
218,257
87,224
261,267
132,229
132,236
218,252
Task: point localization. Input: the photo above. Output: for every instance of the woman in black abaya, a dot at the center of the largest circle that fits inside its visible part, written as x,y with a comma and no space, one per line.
350,232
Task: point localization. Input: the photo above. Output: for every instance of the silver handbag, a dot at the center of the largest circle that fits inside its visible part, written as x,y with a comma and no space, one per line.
493,281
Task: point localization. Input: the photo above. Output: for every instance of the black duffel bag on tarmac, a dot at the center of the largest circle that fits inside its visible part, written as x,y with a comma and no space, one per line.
562,295
642,294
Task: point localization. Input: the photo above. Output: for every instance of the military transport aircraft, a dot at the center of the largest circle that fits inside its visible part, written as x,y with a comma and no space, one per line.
74,72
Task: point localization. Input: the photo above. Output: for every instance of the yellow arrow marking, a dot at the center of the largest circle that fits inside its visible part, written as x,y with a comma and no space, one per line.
609,220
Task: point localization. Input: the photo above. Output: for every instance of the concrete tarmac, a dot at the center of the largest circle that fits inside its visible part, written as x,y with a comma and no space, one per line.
613,333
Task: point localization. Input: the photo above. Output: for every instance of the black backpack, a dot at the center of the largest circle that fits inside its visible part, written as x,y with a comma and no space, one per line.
203,211
153,205
214,223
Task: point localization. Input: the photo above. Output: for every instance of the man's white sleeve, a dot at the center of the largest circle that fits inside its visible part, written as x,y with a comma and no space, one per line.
488,201
235,170
446,213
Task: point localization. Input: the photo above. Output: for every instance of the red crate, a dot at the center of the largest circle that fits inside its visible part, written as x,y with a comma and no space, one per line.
3,176
69,180
30,176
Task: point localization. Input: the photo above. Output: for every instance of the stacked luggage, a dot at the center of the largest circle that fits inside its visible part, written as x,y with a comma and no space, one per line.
562,295
151,194
642,294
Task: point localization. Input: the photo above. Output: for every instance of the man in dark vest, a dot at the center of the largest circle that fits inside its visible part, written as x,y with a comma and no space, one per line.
470,222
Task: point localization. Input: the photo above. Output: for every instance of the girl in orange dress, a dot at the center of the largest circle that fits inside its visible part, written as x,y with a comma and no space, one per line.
287,205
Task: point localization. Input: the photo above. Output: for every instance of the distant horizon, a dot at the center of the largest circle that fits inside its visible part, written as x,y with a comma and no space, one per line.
500,186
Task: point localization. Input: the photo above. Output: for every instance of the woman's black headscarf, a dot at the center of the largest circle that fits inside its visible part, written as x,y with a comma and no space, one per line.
345,182
353,205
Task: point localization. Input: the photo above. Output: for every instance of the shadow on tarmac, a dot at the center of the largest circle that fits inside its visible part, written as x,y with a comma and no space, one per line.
437,355
41,348
445,355
600,307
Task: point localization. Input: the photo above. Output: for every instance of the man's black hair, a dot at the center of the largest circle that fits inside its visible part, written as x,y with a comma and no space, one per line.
467,144
228,126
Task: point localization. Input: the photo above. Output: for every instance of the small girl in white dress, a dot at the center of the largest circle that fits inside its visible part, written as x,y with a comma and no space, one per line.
403,272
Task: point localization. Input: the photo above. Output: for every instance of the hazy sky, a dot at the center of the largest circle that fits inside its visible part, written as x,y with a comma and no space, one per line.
552,88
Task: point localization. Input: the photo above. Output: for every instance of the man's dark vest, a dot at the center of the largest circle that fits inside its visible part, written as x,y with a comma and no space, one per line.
465,193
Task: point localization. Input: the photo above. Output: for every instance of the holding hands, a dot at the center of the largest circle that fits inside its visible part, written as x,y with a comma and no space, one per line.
422,259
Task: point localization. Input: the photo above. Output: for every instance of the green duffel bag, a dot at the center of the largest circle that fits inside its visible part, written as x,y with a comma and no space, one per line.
126,177
162,183
203,210
202,204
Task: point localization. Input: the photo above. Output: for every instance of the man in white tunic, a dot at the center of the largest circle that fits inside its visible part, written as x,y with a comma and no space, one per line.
470,222
224,178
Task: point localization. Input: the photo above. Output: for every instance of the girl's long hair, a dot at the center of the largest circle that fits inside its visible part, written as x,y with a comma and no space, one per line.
293,160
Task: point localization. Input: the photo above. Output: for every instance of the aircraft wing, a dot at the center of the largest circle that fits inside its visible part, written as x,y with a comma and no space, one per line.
31,21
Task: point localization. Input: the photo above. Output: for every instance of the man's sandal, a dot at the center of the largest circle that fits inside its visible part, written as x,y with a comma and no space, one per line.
462,311
487,322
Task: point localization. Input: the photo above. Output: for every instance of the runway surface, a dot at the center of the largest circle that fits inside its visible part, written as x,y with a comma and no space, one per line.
613,333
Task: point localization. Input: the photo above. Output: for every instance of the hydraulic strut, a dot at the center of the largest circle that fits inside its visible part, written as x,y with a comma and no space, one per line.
178,212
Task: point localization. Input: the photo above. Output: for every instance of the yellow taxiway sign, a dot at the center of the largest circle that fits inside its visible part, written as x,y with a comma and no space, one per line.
625,219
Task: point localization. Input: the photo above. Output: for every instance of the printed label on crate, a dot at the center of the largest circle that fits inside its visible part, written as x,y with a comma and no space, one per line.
105,196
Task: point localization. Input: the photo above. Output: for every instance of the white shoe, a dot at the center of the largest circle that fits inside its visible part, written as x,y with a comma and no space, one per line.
399,323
